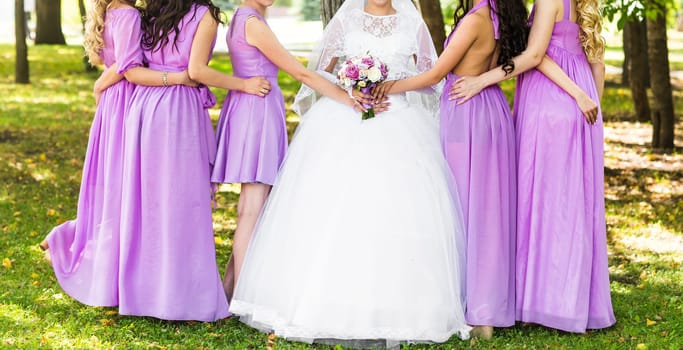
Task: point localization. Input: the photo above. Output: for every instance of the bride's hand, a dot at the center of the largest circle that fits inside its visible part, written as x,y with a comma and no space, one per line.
381,106
465,88
361,97
379,92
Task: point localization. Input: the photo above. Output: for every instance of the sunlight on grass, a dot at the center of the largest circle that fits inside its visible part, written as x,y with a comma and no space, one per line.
657,239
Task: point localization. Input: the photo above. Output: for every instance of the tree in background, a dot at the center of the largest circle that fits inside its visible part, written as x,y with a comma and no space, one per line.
49,22
328,8
433,16
662,109
81,10
21,75
646,46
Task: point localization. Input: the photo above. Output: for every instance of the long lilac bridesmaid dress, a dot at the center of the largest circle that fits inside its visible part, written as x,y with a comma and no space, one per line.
562,273
478,142
168,259
251,131
85,251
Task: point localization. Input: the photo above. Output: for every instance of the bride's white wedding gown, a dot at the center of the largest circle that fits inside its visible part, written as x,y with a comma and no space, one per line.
361,237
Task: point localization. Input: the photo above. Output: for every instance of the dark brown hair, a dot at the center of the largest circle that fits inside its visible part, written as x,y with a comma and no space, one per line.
160,17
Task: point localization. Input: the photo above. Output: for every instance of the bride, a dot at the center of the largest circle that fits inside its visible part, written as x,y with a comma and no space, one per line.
361,239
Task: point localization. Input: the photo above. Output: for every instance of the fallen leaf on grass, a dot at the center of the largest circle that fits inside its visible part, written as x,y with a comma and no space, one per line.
106,322
641,346
650,322
111,313
51,212
7,263
271,341
643,275
34,275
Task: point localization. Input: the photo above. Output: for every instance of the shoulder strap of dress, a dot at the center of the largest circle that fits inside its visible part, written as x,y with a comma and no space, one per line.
494,18
567,4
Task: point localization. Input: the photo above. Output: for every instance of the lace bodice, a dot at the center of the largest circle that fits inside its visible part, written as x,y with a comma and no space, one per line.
387,37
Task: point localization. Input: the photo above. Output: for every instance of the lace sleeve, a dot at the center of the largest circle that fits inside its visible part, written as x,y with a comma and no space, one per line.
331,46
424,57
425,51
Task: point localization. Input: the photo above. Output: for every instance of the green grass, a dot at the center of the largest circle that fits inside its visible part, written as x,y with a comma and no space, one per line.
43,135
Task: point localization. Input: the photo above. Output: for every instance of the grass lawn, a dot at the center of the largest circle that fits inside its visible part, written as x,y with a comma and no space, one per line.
43,135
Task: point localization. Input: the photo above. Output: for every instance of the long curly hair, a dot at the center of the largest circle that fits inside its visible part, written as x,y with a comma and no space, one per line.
93,40
589,20
513,28
160,17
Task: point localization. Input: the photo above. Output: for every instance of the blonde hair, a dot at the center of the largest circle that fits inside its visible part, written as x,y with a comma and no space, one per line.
589,20
93,41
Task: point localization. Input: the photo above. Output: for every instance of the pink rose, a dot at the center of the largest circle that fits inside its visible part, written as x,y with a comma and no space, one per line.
352,72
368,61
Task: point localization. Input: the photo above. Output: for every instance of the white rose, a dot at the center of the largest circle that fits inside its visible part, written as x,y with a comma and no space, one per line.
374,74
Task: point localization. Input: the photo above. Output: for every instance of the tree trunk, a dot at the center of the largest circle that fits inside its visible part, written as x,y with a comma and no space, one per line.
638,67
21,50
49,22
328,8
626,65
662,102
81,10
431,12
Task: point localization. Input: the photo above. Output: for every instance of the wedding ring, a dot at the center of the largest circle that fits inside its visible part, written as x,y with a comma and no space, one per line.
264,90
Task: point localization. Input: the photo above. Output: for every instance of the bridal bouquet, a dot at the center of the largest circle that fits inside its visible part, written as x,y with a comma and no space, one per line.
362,73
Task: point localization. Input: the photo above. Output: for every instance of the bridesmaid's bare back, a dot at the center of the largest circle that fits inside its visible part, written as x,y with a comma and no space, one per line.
482,54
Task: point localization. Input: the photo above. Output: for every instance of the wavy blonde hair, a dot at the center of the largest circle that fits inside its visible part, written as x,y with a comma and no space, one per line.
93,41
589,20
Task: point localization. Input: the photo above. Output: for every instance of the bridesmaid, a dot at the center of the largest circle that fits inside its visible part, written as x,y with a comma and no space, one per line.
168,267
251,131
562,273
84,252
478,142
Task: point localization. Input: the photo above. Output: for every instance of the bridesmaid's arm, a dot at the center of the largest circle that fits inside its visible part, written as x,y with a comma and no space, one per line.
463,38
537,44
200,71
554,72
108,78
150,77
259,35
598,70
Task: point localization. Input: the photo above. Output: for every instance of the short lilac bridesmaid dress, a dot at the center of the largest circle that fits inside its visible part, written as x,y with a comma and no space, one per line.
562,272
251,131
85,251
168,259
478,141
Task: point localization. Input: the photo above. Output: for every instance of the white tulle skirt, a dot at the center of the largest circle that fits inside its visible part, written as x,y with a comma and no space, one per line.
361,238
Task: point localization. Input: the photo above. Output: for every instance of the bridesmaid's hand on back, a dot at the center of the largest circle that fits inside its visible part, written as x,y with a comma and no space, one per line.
465,88
588,107
259,86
